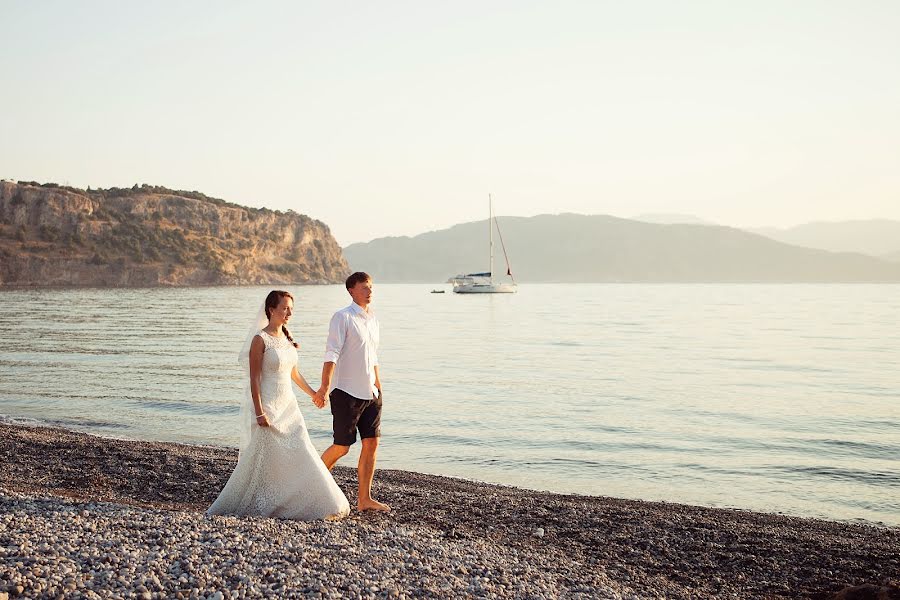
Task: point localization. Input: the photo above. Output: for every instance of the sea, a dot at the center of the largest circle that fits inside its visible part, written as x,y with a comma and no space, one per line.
775,398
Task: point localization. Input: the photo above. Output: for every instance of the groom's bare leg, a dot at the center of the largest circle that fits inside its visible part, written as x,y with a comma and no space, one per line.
366,472
333,454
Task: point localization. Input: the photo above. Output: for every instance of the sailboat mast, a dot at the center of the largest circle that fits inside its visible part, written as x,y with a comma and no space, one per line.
491,234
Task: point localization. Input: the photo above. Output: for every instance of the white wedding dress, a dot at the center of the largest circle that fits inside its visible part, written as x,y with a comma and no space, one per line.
279,473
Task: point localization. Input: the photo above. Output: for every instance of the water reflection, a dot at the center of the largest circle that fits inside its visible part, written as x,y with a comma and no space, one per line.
777,398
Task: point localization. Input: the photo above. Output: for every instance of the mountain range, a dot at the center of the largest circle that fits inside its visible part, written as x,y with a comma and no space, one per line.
600,248
151,235
876,237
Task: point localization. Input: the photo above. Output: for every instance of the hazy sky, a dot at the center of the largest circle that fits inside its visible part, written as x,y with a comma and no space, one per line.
394,118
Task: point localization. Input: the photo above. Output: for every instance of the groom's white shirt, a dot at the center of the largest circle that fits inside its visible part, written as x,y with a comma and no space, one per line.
353,348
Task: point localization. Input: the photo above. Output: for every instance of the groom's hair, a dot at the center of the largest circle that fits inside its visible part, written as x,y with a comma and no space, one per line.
356,278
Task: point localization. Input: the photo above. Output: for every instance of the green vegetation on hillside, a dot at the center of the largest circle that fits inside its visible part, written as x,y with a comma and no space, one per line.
171,229
144,189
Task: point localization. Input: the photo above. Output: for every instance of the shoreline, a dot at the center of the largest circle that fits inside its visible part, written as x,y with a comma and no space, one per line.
474,538
87,430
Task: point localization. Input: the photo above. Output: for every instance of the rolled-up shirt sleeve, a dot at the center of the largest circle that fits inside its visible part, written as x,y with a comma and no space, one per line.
337,331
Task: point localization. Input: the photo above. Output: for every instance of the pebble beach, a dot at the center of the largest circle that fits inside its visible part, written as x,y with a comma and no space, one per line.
89,517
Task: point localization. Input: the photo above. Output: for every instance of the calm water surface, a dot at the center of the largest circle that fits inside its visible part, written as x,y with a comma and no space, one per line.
780,398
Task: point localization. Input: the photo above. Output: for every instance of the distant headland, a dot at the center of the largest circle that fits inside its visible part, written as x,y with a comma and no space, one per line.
147,236
570,248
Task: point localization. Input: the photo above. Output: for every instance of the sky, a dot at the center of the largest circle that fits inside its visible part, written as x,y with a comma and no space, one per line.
399,117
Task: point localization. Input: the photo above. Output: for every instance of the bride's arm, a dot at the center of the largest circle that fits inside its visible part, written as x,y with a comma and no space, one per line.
257,347
300,381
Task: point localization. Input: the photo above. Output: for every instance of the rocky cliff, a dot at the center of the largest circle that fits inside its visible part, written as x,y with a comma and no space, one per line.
152,236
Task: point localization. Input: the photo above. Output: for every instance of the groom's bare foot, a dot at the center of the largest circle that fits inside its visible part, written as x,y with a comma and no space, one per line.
371,504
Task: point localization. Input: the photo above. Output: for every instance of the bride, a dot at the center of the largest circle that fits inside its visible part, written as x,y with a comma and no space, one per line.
279,473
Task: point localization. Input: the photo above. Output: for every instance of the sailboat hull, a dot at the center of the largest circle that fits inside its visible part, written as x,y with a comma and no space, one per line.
485,288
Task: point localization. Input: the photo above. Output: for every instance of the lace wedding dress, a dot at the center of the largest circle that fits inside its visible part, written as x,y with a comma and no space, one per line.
279,473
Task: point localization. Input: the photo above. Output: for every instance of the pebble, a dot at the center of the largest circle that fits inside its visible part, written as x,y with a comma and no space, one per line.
446,538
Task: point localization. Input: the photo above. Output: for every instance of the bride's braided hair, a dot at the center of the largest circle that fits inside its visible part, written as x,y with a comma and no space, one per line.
272,301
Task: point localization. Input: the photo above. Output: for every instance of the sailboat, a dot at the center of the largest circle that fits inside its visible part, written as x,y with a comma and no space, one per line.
483,283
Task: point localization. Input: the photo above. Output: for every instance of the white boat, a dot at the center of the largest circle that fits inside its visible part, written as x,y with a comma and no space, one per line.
483,283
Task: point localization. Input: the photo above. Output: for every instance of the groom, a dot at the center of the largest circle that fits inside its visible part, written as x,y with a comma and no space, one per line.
350,376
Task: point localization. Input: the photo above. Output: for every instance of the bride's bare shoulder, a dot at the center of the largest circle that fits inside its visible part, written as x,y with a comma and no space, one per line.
257,343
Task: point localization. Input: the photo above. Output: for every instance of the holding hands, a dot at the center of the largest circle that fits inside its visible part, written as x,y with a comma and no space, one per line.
320,397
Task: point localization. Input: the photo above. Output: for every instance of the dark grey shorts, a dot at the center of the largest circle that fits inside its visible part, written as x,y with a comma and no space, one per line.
351,414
